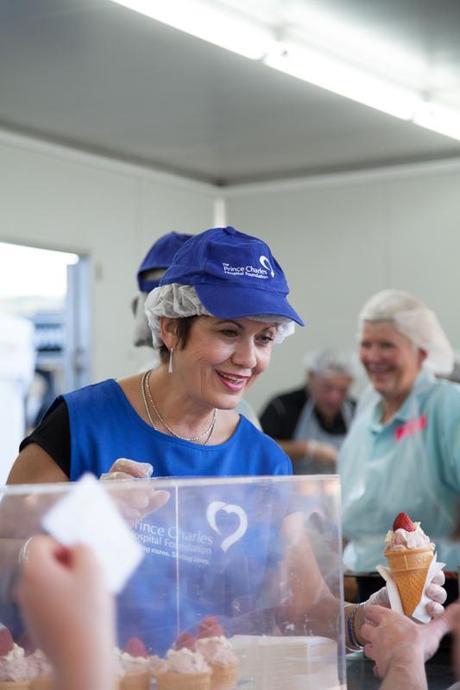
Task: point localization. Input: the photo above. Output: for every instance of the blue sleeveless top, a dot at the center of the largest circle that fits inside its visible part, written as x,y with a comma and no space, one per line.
213,573
104,427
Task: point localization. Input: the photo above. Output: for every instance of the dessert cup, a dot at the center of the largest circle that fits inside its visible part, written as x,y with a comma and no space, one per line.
224,677
42,683
135,680
183,681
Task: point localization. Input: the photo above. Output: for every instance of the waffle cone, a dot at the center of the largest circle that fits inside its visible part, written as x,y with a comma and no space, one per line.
15,685
224,677
183,681
409,569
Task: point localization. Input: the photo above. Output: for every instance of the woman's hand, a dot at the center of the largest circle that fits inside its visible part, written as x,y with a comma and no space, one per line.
324,452
68,609
128,469
141,500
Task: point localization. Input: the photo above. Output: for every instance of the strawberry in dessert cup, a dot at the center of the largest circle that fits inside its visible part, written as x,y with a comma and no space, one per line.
409,553
184,670
13,666
135,666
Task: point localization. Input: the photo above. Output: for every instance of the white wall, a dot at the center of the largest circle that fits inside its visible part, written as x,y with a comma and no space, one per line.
341,239
58,199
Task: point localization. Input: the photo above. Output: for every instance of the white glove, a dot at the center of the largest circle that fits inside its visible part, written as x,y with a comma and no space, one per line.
128,469
142,499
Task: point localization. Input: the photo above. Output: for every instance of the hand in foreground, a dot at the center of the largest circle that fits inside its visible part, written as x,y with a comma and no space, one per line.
139,502
434,591
394,639
453,618
68,610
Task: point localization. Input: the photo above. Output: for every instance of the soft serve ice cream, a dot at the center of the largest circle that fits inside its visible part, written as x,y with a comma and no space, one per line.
406,535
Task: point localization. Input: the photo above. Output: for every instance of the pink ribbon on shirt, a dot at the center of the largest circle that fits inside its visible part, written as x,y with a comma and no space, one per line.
411,427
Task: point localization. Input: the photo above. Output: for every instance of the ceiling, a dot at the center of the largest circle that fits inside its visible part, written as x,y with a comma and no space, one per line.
99,77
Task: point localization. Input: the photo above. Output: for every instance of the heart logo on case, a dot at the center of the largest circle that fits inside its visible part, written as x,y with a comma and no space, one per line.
211,512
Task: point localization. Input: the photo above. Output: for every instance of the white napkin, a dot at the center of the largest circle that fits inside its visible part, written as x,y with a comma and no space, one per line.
419,613
87,515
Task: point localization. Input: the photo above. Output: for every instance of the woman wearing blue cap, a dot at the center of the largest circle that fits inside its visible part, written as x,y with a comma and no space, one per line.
214,318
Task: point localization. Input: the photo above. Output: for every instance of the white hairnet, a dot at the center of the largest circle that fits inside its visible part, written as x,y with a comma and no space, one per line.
329,363
414,320
178,301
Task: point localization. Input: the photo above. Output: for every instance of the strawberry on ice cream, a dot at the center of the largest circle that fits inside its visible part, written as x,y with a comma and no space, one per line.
406,535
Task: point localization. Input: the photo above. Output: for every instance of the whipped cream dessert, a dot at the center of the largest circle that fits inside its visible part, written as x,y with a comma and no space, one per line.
186,661
217,651
16,666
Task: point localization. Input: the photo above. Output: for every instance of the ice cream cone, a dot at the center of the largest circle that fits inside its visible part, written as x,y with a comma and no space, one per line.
15,685
409,568
170,680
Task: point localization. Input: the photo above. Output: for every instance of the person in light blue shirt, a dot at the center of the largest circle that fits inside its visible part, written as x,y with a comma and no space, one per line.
403,451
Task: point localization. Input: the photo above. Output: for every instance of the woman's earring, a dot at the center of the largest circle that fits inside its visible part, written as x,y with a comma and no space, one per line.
170,365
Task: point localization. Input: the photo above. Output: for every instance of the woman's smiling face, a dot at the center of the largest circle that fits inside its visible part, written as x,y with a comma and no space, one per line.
223,358
391,360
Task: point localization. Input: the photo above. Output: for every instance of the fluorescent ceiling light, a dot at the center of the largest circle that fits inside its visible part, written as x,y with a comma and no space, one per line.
210,22
345,80
322,51
439,119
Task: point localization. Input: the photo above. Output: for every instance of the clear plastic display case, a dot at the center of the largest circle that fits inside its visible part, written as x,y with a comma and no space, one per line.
260,556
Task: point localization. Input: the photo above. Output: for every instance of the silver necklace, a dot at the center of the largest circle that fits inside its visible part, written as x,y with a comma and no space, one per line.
148,401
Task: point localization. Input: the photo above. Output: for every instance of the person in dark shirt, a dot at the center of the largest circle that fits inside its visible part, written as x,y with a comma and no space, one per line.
310,423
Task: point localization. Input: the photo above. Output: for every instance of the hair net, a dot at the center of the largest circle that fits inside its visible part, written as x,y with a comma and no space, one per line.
142,334
414,320
329,363
178,301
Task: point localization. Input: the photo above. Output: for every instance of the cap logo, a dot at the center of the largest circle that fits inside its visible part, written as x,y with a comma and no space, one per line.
266,264
250,271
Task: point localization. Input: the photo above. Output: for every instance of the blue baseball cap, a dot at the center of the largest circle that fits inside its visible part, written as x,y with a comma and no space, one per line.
159,257
235,275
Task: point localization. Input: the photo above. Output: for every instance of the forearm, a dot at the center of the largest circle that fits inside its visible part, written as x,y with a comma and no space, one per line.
10,550
406,675
296,449
85,678
87,672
